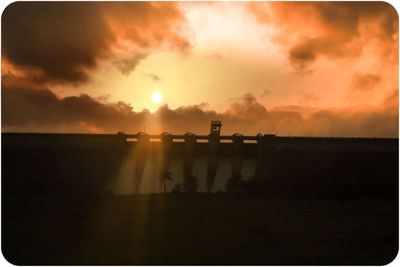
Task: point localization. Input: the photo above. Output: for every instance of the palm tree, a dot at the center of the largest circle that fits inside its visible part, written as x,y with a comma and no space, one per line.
164,176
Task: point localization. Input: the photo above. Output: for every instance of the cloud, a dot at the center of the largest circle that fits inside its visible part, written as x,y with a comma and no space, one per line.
307,98
266,93
303,54
308,30
147,24
40,110
391,101
127,65
363,82
61,42
305,51
153,76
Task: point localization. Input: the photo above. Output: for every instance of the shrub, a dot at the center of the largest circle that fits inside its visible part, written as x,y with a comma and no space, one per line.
190,183
177,188
236,185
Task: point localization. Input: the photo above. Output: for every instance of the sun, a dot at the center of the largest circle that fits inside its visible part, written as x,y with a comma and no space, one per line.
156,97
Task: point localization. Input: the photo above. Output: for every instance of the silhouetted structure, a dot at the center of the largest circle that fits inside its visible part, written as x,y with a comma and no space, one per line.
189,180
164,174
304,165
213,140
215,127
235,182
141,157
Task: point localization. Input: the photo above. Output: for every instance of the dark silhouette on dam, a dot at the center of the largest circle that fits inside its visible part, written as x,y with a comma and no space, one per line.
214,139
164,173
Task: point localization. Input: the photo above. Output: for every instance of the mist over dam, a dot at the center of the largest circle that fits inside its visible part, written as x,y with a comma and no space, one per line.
96,163
124,184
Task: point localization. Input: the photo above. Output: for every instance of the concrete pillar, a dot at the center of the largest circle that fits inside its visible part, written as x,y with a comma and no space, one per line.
237,140
189,181
213,144
140,158
235,182
265,154
259,173
121,139
268,147
166,145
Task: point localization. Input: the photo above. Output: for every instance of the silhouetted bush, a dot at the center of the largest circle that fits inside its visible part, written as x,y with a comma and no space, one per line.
177,188
236,185
190,183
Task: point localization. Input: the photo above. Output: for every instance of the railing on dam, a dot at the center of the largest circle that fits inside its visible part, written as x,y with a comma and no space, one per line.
271,140
198,137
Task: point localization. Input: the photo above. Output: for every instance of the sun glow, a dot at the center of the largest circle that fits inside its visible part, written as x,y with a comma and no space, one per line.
156,97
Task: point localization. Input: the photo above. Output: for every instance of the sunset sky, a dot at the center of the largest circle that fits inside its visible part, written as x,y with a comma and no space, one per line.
290,68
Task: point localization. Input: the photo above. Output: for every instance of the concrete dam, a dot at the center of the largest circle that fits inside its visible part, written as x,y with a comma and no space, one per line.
143,163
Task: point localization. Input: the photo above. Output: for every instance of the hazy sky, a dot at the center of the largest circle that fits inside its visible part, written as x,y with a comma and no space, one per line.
291,68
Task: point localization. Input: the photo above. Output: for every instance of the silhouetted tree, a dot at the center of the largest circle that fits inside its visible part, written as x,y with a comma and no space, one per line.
190,183
164,176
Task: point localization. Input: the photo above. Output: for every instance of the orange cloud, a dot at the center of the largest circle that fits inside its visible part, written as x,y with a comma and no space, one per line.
146,24
53,42
42,111
363,83
309,30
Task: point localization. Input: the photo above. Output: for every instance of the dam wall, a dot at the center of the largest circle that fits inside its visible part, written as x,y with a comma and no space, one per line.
128,164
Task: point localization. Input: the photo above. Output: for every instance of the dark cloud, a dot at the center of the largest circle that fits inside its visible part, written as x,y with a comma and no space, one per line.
62,41
306,51
127,65
302,54
40,110
9,79
247,109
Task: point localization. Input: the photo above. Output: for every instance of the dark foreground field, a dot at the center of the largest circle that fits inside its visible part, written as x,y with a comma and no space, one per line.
197,229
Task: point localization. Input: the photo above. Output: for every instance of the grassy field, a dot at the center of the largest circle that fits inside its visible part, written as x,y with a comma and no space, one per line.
196,229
